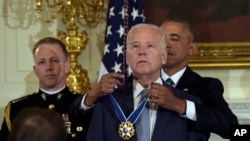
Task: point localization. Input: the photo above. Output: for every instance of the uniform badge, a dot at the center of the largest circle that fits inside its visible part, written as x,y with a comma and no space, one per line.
67,123
79,128
51,106
43,97
59,96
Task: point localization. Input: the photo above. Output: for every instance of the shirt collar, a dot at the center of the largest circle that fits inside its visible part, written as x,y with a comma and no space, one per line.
175,78
52,92
138,87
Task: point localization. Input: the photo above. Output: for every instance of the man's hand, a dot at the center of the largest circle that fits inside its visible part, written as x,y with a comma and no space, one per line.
162,96
106,85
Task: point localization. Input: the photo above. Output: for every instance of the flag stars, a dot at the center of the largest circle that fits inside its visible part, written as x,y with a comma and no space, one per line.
106,49
120,18
118,50
109,30
117,67
143,17
135,13
111,12
120,31
122,13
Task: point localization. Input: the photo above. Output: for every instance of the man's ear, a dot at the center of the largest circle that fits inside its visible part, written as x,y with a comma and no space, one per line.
193,50
67,67
34,70
127,58
164,57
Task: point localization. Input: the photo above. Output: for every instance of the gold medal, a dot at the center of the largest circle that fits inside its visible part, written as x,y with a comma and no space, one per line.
126,130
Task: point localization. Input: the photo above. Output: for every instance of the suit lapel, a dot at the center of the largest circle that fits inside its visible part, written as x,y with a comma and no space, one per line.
186,80
161,124
124,97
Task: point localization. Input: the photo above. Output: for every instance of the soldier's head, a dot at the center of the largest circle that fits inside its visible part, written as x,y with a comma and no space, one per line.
51,63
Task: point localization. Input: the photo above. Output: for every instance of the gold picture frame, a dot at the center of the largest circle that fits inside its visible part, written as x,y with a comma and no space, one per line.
221,55
221,27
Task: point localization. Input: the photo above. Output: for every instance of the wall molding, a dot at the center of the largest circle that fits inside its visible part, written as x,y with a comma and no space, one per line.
242,110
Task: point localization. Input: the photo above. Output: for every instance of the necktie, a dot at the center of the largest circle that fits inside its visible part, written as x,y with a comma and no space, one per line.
142,124
170,82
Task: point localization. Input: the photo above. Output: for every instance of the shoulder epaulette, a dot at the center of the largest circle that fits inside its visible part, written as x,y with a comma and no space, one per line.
8,107
7,116
19,99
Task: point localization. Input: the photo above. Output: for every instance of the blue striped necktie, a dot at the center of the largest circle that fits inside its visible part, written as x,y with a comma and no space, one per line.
142,124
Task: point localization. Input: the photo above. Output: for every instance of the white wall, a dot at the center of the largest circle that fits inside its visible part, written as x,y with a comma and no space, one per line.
236,82
19,30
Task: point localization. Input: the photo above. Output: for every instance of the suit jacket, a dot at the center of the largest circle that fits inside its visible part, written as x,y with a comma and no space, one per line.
104,124
213,114
59,102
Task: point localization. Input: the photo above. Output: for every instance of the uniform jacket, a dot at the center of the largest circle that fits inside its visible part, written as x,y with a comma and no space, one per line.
214,114
104,124
60,103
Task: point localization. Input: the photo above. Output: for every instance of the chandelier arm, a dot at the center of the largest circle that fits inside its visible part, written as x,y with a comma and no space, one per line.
73,13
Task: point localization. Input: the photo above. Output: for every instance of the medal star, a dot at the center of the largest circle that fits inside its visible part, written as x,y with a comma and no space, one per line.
125,130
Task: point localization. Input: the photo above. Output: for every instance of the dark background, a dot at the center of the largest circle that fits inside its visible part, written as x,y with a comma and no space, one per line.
212,20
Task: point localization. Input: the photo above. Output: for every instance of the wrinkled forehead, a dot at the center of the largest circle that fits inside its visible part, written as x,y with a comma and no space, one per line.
48,50
144,33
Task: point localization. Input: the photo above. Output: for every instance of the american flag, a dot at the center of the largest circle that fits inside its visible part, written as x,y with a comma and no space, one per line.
122,15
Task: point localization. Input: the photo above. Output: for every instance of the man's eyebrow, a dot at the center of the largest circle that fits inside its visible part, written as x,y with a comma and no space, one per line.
175,35
54,57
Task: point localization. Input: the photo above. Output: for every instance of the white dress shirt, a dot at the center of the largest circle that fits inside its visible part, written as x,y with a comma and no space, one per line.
152,107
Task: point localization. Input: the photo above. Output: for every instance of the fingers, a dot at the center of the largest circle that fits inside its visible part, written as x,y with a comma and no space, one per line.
158,87
157,93
109,82
112,78
153,95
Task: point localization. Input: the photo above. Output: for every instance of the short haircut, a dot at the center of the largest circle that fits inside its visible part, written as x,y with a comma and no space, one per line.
37,124
185,24
149,26
51,40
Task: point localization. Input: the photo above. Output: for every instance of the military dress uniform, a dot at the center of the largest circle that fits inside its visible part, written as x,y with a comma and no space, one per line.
60,102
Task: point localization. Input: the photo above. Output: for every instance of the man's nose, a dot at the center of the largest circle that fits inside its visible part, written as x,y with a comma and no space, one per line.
142,51
48,65
169,44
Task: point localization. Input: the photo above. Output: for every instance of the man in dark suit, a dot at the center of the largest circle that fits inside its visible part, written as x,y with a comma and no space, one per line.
115,115
51,67
214,114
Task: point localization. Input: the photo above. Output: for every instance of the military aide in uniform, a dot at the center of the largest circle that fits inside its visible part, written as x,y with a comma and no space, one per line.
51,67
